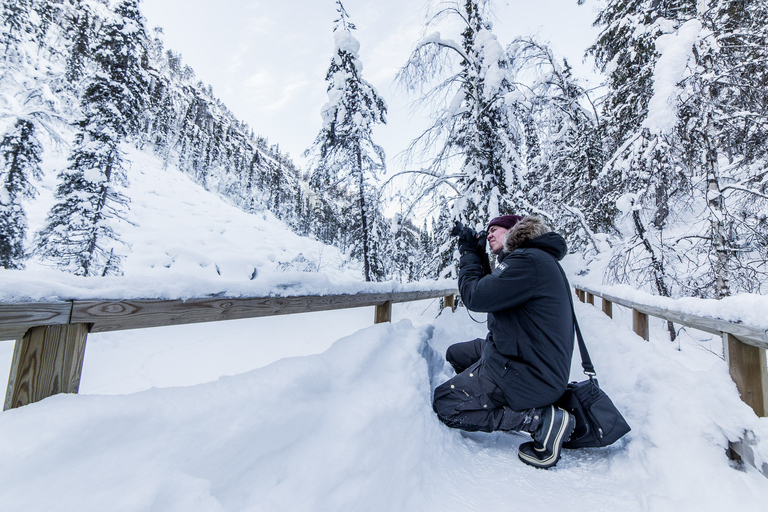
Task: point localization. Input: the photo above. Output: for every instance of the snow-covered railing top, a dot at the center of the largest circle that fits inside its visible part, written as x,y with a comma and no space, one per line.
115,315
743,316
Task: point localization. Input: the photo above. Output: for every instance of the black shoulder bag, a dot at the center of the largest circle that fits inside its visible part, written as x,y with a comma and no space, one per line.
598,422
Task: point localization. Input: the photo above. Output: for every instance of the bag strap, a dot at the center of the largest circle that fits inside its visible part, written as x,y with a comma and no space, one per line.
586,362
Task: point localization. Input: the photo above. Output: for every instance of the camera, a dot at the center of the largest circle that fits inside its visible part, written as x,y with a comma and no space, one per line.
467,233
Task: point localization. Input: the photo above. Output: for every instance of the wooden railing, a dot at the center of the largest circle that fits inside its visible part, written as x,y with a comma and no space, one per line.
51,337
744,349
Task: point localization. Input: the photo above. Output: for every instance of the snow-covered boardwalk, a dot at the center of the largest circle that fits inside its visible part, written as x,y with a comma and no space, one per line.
351,428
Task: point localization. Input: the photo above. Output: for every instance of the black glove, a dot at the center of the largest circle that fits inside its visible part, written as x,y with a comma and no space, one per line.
469,239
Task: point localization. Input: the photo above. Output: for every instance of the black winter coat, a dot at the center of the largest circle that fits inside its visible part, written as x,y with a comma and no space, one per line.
530,344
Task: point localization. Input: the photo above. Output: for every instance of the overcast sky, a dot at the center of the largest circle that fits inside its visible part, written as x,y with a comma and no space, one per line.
267,59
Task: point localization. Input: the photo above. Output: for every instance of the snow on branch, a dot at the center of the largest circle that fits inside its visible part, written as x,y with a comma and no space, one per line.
436,39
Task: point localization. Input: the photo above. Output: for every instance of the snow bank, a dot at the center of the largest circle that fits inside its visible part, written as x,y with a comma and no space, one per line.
50,285
352,429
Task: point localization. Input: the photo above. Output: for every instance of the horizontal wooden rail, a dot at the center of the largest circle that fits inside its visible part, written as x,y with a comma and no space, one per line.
744,350
51,337
750,335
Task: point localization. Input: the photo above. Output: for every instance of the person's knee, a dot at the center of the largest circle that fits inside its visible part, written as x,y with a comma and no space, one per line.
445,412
450,356
444,403
463,355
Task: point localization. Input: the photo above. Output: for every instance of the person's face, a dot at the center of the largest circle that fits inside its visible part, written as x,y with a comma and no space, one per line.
495,237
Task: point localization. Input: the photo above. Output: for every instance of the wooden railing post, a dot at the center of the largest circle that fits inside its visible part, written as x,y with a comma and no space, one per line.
608,308
580,294
640,324
46,361
383,313
450,302
747,365
590,299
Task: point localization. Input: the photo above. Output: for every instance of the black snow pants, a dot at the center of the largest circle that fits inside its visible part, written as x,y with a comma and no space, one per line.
472,401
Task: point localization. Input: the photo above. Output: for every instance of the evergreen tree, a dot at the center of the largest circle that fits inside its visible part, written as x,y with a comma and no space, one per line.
710,157
16,21
408,250
47,11
21,158
626,51
80,46
122,55
644,170
724,126
344,151
79,235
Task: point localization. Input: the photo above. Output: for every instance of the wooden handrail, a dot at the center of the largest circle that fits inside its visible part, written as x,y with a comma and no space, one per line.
747,334
51,336
114,315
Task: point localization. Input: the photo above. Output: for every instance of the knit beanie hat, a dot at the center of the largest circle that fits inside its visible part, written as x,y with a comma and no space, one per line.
505,221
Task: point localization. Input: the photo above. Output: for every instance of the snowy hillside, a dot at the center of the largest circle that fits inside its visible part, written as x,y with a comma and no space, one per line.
352,429
181,241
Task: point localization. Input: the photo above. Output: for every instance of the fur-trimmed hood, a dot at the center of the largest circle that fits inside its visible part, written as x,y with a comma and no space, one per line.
532,231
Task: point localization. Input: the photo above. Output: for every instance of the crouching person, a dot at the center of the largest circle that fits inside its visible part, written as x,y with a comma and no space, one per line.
509,380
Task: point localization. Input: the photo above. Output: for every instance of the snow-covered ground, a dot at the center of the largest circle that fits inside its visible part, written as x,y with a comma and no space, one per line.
350,427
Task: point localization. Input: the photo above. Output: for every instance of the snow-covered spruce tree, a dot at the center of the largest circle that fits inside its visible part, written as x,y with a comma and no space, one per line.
122,54
405,250
644,173
725,128
16,21
79,234
344,154
79,42
47,10
21,151
474,144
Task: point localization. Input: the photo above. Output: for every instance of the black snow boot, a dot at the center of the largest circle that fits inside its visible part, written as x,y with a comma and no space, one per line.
555,428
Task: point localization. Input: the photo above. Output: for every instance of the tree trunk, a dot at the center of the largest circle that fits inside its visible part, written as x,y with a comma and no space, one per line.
363,215
714,197
717,220
657,266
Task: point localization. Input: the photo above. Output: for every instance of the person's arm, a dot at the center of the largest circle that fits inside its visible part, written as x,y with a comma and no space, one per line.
505,287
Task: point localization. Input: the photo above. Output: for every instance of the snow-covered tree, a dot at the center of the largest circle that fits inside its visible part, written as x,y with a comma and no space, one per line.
16,14
685,122
344,154
79,234
644,170
724,123
405,250
21,161
566,151
475,143
80,45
